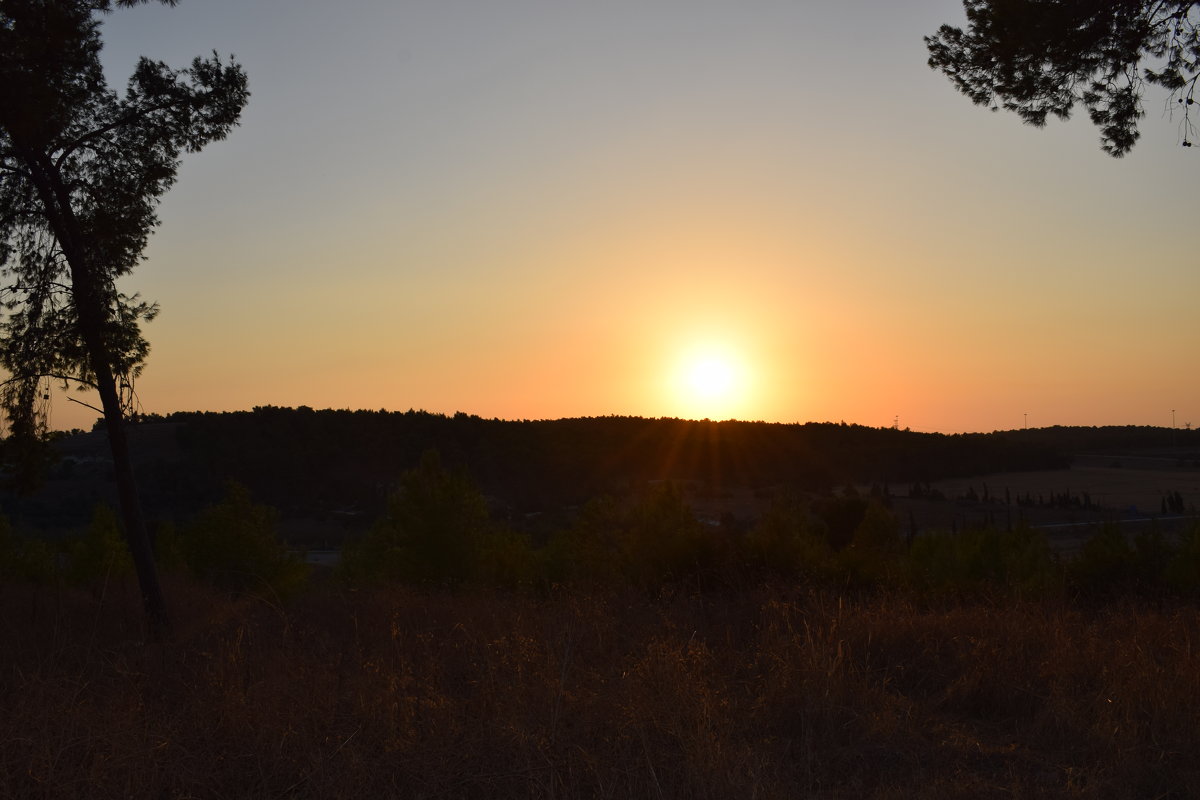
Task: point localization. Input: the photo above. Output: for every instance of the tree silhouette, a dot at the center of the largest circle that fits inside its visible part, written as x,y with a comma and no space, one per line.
81,174
1041,57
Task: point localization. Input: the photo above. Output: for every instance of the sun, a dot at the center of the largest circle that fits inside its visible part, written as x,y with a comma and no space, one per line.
710,377
710,382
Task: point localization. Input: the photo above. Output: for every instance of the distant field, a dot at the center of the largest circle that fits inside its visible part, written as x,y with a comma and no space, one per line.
1115,493
1113,488
1130,496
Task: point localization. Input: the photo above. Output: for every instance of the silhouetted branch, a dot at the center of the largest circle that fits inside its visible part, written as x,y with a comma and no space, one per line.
133,116
86,405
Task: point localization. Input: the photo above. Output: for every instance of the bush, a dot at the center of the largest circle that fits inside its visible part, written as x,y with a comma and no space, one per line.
101,553
873,554
21,559
437,529
661,539
657,538
1105,564
234,545
841,517
589,550
1020,560
168,547
506,558
1182,572
786,541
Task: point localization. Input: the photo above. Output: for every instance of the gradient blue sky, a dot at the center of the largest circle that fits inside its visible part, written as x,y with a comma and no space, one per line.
537,209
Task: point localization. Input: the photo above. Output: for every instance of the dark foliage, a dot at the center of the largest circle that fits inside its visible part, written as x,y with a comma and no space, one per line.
310,462
82,170
1039,58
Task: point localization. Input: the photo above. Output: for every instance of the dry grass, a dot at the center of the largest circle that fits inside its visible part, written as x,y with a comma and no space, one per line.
769,692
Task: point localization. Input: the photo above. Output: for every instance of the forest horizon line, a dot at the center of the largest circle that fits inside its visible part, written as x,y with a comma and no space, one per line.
140,418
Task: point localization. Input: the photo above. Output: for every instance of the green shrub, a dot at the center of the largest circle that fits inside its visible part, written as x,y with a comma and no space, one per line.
234,545
661,539
786,541
878,531
101,553
841,517
437,528
589,549
1182,572
168,547
22,559
1152,554
1020,559
1106,563
656,538
506,558
1030,565
873,554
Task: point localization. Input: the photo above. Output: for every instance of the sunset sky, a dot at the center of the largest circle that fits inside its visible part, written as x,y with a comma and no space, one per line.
763,210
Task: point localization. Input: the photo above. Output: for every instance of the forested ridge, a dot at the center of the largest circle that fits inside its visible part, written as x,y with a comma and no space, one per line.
291,456
341,464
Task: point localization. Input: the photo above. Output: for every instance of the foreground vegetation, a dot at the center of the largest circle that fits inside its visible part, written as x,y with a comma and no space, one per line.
630,652
773,691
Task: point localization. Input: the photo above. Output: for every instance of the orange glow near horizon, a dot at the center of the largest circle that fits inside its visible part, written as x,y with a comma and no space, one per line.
524,227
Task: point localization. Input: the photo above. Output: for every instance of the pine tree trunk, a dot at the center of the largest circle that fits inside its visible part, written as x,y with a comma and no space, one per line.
131,507
92,315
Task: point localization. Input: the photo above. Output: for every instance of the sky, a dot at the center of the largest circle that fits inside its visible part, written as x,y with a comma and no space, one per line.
768,210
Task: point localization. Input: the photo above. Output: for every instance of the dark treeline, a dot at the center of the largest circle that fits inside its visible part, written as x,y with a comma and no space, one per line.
318,457
306,461
337,466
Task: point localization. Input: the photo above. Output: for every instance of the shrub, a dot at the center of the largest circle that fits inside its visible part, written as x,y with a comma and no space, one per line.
787,541
29,560
1020,559
101,552
1182,572
841,517
437,528
234,545
661,539
589,549
1105,564
168,546
655,539
506,558
873,553
1151,555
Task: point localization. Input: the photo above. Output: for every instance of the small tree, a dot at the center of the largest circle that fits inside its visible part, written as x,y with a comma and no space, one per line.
786,541
435,529
81,174
99,554
235,545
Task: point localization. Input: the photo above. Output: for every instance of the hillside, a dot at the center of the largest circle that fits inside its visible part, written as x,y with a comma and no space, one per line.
331,470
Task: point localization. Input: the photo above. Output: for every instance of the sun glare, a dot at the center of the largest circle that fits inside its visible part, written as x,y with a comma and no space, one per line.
711,378
710,382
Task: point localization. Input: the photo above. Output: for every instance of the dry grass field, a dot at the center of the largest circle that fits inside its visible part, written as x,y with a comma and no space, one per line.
777,691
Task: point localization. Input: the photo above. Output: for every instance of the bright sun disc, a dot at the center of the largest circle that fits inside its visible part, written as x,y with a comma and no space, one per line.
711,377
709,383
